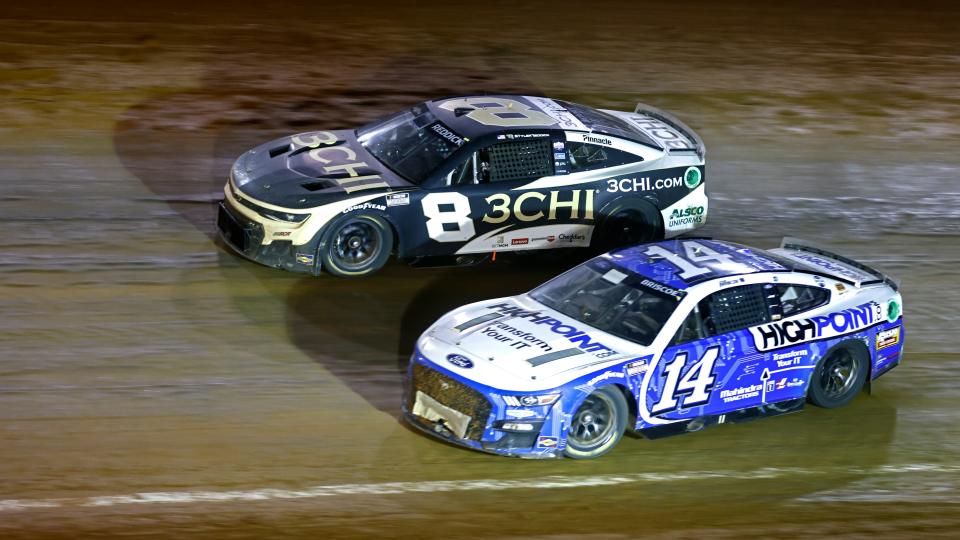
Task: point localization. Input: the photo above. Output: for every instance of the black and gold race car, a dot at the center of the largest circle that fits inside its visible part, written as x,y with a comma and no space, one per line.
452,180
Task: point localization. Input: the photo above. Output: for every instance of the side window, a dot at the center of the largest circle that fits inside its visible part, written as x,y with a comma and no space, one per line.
734,309
586,157
526,159
796,299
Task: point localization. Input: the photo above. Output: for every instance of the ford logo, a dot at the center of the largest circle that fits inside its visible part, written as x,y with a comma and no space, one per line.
460,361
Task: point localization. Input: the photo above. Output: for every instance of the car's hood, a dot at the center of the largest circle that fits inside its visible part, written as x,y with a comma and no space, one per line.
311,169
518,344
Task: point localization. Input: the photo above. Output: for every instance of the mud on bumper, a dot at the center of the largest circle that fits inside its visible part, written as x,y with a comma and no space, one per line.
465,417
246,238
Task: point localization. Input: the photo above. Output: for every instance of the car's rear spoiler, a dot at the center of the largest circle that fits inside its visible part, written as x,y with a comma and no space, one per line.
672,121
832,264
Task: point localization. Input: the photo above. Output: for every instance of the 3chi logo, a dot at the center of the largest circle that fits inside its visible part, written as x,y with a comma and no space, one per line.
460,361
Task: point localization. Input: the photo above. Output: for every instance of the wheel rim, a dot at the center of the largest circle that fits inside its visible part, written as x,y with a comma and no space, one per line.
839,374
631,228
594,422
356,244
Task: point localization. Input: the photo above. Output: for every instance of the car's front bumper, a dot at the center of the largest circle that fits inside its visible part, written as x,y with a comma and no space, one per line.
462,412
245,235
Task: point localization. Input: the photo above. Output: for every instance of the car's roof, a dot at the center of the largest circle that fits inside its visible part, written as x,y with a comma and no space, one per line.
733,260
558,115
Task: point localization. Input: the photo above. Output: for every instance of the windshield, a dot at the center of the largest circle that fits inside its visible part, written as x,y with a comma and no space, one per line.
411,143
612,299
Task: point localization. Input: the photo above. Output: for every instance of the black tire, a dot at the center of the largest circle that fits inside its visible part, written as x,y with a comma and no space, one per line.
627,226
598,424
356,245
839,376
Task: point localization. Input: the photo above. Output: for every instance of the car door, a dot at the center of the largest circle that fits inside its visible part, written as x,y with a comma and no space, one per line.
787,368
476,206
710,366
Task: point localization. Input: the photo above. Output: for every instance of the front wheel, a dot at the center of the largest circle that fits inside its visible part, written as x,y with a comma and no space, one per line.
839,376
356,246
598,424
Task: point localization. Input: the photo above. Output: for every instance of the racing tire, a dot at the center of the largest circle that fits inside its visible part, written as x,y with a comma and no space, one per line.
356,246
839,376
598,424
627,226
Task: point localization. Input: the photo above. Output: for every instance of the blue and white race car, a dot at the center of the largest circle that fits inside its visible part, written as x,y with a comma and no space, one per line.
664,338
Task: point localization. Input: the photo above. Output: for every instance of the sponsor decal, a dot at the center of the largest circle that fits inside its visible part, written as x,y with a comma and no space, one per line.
576,237
305,258
581,339
587,138
784,334
666,134
692,177
828,265
888,338
692,215
519,241
604,376
559,155
499,242
364,206
787,359
630,185
650,284
782,383
520,413
840,288
339,161
546,442
558,146
282,233
893,310
398,199
637,368
442,130
514,337
726,282
579,202
551,238
740,393
460,361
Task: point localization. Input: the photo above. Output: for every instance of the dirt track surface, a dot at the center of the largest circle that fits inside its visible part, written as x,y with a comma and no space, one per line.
152,384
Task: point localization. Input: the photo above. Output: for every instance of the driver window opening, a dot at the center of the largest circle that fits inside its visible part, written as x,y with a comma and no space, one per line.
465,174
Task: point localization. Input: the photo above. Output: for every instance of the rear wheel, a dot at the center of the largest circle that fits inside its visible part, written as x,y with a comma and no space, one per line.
628,226
598,424
356,246
839,376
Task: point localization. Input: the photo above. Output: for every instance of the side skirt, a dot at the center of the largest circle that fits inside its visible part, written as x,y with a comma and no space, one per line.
735,417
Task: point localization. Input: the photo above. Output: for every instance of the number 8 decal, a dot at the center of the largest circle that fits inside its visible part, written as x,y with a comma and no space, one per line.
502,112
458,214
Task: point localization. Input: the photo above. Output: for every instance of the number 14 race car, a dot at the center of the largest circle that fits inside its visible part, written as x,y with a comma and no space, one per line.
451,180
675,335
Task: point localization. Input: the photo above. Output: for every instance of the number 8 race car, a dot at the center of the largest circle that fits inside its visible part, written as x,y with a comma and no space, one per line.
452,180
677,335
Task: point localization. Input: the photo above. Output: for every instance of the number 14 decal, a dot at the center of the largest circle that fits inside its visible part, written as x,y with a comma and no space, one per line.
695,385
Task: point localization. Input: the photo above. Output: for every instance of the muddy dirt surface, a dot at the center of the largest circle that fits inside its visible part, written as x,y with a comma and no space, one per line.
154,385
